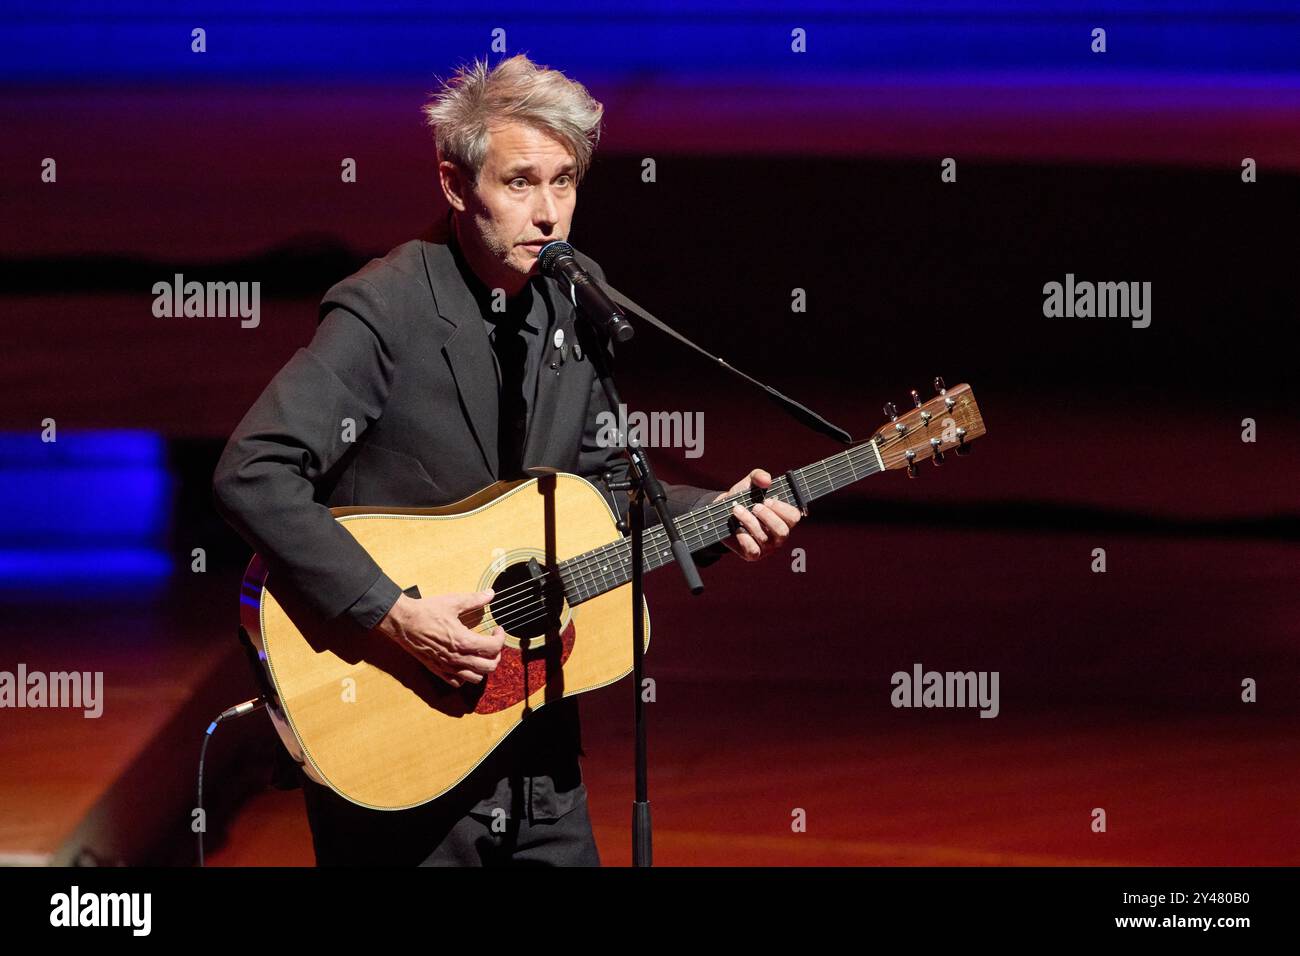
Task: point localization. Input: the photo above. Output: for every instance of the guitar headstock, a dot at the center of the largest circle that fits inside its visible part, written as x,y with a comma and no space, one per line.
948,422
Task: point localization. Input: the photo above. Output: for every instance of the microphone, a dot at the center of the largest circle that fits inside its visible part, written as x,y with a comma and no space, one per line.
557,261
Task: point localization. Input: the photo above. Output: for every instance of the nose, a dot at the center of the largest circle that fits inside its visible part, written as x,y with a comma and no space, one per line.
546,211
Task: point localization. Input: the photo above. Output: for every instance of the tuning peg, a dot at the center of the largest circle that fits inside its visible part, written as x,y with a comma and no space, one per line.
911,463
938,453
891,410
939,387
963,449
916,398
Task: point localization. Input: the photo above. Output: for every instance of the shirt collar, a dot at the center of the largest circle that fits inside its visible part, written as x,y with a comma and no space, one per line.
519,308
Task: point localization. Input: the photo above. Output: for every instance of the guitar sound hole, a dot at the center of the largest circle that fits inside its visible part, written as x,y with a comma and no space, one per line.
526,607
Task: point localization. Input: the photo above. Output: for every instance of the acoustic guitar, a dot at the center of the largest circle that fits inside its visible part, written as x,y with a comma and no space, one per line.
369,721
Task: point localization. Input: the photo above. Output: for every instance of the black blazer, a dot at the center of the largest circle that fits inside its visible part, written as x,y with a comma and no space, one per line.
401,351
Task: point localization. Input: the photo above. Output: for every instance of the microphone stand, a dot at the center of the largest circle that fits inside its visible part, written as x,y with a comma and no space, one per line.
611,318
641,484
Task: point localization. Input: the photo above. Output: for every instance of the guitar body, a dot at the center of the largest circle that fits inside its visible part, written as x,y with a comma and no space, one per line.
371,722
368,720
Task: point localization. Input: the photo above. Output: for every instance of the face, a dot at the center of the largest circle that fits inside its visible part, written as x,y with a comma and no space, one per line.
524,198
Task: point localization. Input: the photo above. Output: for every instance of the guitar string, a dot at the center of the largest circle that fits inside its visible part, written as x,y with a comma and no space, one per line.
817,487
583,577
586,575
541,610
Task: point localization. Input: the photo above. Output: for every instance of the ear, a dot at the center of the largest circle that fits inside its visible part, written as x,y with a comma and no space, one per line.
455,184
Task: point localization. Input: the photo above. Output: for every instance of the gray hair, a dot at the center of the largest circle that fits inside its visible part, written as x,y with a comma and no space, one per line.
517,90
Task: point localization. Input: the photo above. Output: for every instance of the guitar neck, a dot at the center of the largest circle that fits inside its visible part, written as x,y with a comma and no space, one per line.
603,569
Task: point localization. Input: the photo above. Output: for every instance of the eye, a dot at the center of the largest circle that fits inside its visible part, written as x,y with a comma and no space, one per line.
518,180
564,179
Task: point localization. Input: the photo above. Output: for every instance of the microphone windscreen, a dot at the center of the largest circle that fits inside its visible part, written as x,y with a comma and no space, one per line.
550,255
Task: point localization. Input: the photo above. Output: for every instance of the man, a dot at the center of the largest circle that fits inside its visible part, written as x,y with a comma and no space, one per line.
432,374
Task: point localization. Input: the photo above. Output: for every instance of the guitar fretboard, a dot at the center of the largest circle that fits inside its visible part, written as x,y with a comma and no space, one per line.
610,566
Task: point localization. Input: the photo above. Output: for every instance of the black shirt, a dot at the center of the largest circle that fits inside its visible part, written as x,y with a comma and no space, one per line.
534,771
526,315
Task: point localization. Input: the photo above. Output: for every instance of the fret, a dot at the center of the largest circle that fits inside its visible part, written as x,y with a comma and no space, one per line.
610,566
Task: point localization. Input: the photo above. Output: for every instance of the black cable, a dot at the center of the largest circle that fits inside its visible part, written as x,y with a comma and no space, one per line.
240,710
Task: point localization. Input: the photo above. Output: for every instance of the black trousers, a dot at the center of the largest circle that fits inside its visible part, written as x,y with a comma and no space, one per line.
442,833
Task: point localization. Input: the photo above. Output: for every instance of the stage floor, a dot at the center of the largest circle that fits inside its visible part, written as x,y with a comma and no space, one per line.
725,781
1119,691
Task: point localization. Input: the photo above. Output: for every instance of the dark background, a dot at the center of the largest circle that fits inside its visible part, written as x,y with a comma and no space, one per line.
772,174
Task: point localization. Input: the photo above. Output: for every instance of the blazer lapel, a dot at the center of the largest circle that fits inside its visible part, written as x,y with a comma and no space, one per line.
467,350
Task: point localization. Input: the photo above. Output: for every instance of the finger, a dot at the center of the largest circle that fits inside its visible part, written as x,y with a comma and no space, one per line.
493,642
788,512
478,666
750,523
743,545
482,661
759,478
469,677
777,529
474,600
472,644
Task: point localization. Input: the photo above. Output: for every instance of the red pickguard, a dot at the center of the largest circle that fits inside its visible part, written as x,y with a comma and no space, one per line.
506,685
